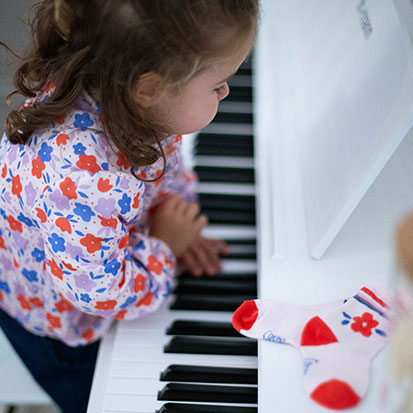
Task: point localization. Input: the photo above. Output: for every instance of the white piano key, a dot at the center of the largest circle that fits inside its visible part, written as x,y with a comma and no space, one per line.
224,161
229,106
155,354
242,249
230,232
225,188
238,266
229,128
154,369
128,403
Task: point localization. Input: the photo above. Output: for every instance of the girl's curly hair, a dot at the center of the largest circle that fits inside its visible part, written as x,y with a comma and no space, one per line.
104,46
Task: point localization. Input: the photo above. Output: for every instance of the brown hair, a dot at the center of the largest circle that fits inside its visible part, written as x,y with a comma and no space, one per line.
105,45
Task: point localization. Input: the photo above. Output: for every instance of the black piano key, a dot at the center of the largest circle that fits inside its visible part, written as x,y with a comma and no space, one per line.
219,216
223,139
211,345
204,374
202,328
208,393
224,276
232,151
202,408
240,93
229,202
215,285
233,117
222,174
208,302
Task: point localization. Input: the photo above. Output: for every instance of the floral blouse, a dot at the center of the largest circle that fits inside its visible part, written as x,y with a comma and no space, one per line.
74,246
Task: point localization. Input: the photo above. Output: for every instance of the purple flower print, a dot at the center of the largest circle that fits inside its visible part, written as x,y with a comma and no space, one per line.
20,241
84,282
73,251
61,201
106,207
30,193
124,183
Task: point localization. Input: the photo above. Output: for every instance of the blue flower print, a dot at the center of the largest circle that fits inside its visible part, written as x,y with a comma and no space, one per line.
83,121
38,255
128,302
79,149
30,275
58,243
124,203
141,245
25,220
112,267
44,152
84,211
85,297
4,287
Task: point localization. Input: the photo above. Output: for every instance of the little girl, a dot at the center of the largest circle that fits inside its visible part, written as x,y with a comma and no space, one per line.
95,205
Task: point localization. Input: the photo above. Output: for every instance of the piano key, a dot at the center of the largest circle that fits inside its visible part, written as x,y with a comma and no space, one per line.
208,393
239,117
202,374
233,106
224,174
209,302
211,345
240,80
241,162
224,139
241,276
226,188
216,216
203,328
215,285
202,408
229,232
238,151
229,128
240,93
232,202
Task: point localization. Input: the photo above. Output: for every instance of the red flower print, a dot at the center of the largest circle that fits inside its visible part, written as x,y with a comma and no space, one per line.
364,324
15,263
142,175
4,171
104,185
36,301
64,305
136,201
1,296
108,222
55,269
60,119
64,224
121,314
68,266
88,162
157,175
154,265
53,320
2,244
88,334
178,138
122,160
23,302
51,85
146,300
37,167
123,243
16,186
68,188
106,305
91,243
41,215
14,224
139,283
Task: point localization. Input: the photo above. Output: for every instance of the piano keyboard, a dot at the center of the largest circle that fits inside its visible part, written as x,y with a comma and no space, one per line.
187,357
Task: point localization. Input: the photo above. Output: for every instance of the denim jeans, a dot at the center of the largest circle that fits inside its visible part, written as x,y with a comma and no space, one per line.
64,372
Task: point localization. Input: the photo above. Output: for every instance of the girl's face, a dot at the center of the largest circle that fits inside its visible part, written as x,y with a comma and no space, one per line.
193,106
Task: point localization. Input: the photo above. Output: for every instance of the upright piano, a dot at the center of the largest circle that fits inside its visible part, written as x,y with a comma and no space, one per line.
258,186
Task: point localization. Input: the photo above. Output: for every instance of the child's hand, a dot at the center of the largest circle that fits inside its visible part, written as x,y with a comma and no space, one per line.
177,223
202,256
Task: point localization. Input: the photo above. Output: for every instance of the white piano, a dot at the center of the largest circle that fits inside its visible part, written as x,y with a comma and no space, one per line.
333,110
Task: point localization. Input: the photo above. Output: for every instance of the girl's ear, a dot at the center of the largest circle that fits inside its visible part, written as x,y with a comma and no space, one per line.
148,89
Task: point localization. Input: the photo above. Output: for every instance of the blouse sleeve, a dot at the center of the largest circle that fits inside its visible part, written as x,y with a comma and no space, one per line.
86,222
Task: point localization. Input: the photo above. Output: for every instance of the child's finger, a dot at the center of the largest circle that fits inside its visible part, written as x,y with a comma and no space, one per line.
191,264
199,223
206,258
